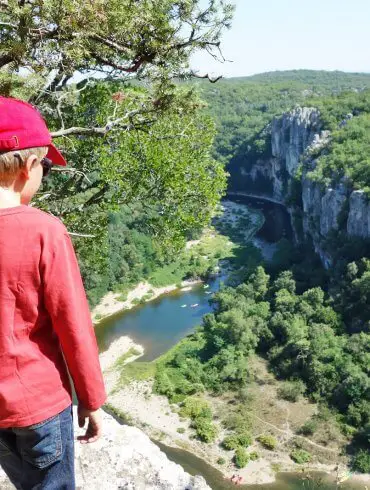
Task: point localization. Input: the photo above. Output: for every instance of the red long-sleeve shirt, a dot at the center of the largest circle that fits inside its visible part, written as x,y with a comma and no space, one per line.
44,315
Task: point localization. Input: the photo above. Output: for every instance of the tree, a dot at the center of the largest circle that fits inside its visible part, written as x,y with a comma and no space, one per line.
151,38
133,135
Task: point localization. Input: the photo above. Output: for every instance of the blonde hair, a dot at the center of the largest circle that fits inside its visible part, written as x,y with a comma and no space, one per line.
11,162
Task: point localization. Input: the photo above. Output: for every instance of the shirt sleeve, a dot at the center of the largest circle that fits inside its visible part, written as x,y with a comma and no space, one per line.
65,300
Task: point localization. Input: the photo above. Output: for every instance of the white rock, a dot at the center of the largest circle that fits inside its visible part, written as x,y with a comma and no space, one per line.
125,458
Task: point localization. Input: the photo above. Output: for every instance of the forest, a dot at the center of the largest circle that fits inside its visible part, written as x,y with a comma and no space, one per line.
311,325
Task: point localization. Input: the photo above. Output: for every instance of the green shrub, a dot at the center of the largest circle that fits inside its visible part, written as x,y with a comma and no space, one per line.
241,457
361,461
253,456
244,438
308,428
291,390
181,430
195,407
300,456
231,442
240,439
267,441
221,461
205,429
238,422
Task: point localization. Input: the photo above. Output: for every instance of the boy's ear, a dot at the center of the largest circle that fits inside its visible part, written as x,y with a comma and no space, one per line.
30,164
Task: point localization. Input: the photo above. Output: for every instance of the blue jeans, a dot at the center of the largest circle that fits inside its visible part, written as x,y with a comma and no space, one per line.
40,456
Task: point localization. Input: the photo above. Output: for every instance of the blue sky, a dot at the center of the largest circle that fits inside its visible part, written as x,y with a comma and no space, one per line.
269,35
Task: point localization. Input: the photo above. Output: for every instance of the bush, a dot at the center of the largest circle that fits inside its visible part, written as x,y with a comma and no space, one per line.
221,461
194,408
308,428
291,390
240,439
231,442
300,456
241,457
244,438
361,461
205,429
253,456
181,430
267,441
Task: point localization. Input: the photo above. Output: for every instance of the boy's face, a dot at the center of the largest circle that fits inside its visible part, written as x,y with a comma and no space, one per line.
29,179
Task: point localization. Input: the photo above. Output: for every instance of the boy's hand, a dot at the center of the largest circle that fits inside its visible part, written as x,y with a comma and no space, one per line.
94,428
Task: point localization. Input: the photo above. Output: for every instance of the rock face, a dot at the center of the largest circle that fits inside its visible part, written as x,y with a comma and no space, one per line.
293,138
125,458
359,215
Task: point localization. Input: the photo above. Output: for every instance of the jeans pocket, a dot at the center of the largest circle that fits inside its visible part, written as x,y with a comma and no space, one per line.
41,444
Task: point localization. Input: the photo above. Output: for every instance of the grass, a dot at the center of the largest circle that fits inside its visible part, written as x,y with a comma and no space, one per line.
132,352
120,414
139,371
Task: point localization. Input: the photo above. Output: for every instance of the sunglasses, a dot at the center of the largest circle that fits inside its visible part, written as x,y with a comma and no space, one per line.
46,167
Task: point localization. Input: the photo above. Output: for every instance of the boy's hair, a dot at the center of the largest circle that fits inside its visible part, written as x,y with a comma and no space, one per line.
11,162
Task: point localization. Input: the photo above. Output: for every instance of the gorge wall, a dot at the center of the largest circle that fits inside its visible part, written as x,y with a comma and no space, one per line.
319,209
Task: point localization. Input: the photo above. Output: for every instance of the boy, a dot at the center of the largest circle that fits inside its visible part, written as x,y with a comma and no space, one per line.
45,321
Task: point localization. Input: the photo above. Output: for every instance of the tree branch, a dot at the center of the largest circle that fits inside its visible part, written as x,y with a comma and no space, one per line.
112,44
80,131
8,24
128,69
72,171
81,235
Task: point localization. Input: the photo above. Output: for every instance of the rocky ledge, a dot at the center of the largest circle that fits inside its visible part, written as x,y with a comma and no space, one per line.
125,458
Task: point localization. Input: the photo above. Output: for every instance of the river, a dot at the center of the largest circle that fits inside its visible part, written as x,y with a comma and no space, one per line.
160,324
163,322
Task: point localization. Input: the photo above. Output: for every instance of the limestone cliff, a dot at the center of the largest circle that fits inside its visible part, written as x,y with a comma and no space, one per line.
323,208
125,458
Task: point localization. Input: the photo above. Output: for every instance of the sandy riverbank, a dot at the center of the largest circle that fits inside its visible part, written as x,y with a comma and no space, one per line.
111,302
228,213
160,421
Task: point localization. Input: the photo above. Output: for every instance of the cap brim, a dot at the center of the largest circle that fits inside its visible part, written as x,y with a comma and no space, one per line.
55,156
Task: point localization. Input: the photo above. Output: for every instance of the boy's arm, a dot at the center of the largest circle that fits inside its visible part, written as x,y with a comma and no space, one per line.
66,302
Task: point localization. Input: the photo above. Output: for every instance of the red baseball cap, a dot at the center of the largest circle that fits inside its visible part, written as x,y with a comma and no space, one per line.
21,127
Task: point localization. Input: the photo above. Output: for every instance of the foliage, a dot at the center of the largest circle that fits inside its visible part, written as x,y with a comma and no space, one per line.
361,461
131,135
238,439
194,407
230,442
200,414
267,441
244,109
300,456
221,461
241,457
253,456
291,390
205,429
346,158
153,39
308,428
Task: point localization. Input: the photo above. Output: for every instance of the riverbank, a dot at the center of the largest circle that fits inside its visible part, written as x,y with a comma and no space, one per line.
217,243
160,421
142,293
